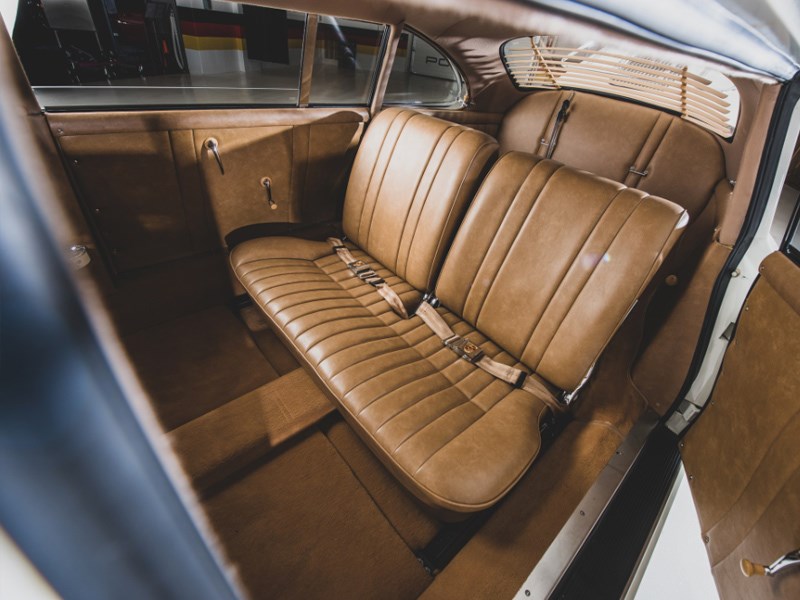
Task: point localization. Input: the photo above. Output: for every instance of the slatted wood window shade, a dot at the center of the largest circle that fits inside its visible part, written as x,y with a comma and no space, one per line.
534,63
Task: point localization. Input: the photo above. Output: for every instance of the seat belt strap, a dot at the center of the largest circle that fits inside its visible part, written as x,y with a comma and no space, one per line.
367,274
473,354
560,118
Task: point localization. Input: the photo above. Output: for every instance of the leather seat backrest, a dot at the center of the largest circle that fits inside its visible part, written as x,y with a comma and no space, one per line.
607,137
412,180
549,260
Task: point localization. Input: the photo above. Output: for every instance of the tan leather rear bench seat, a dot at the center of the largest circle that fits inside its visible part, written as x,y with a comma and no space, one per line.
544,268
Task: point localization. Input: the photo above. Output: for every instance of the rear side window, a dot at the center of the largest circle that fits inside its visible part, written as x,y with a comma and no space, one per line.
346,58
168,54
423,76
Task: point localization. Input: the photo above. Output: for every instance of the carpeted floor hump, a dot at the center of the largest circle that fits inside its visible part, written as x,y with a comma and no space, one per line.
301,526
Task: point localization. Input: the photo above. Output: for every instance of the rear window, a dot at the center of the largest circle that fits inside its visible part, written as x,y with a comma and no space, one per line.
706,98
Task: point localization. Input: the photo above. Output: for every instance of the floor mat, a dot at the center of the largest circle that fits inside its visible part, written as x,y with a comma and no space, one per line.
196,363
301,526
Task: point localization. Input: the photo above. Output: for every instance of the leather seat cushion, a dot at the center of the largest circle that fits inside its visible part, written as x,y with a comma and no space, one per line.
458,438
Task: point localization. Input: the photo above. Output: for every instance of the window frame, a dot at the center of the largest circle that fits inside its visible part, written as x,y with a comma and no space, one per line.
788,247
132,107
376,72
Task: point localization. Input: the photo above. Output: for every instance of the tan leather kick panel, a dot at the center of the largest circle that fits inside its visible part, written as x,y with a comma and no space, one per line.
155,192
742,454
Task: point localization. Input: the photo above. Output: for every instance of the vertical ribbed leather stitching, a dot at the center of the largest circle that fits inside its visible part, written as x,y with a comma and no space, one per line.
372,171
365,244
569,266
415,203
514,240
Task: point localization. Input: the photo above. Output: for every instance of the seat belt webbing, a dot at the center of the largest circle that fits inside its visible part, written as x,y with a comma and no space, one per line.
473,354
563,112
367,274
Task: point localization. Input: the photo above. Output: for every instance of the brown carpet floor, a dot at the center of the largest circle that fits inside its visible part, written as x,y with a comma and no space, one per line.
301,526
196,363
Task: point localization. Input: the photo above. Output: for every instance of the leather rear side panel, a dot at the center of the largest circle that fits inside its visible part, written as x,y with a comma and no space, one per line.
155,193
742,455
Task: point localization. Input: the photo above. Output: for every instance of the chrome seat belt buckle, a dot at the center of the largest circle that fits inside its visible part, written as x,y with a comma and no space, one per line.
465,349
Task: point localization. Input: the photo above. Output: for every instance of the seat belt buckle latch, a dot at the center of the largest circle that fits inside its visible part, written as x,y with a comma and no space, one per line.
464,348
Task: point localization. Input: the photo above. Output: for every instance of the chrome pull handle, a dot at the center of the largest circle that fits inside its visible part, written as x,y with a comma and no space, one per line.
267,183
213,146
790,559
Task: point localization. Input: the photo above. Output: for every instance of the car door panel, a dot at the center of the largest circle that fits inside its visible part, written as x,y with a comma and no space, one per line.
130,189
741,455
153,192
248,155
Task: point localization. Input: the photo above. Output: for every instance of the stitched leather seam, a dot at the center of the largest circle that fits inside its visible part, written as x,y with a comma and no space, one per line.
255,260
253,282
416,189
360,358
471,285
408,363
427,196
296,292
333,335
430,423
372,171
300,334
383,177
318,299
569,268
412,401
310,269
515,238
325,322
448,221
586,282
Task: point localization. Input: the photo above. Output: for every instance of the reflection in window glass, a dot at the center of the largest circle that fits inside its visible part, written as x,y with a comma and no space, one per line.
422,75
159,52
345,61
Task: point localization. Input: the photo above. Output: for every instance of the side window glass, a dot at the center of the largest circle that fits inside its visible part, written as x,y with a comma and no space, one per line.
159,53
423,76
346,60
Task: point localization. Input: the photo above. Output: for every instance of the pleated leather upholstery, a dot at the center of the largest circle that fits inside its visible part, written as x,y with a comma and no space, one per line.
411,183
445,428
455,436
549,261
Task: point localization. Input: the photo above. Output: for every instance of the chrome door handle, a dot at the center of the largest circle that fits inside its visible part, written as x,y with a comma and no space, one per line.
790,559
213,146
267,183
